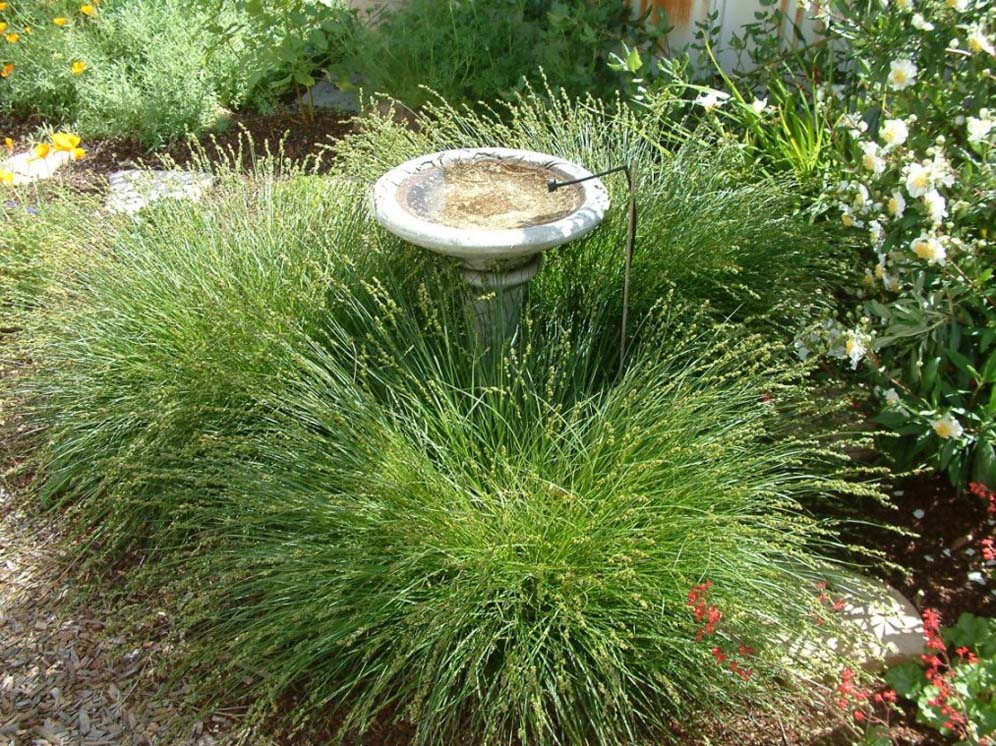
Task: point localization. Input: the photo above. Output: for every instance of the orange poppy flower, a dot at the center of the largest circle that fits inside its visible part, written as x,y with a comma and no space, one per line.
60,21
78,67
6,70
3,6
41,151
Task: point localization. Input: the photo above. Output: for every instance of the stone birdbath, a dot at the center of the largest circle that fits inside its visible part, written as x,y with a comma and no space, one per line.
494,211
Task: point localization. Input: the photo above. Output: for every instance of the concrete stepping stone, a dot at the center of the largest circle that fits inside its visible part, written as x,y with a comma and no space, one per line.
134,189
880,629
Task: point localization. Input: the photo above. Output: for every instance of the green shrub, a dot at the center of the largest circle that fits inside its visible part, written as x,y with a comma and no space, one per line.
480,51
344,497
148,75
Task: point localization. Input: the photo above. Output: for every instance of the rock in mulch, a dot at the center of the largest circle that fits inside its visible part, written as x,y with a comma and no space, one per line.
28,167
328,96
64,679
134,189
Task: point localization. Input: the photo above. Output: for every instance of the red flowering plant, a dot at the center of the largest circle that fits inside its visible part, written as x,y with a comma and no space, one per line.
954,684
727,652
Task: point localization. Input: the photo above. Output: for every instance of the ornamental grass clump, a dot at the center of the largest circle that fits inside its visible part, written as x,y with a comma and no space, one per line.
355,511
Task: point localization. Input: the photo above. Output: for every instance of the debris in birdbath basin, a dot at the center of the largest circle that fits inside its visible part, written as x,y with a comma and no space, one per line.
134,189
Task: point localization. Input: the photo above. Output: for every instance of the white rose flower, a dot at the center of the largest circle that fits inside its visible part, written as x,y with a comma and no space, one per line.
947,427
897,204
936,206
872,160
929,249
894,133
978,41
902,74
979,129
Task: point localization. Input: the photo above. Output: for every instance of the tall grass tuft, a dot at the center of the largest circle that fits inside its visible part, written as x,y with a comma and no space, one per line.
356,510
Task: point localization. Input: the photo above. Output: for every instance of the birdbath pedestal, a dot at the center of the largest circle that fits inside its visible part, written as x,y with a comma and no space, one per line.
491,208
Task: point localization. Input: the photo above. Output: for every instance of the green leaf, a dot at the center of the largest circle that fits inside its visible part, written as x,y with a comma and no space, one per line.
907,679
633,61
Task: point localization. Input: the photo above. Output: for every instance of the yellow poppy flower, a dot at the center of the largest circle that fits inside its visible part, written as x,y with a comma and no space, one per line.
78,67
8,143
12,38
3,26
77,154
87,10
6,177
27,29
65,141
6,70
41,151
60,21
3,6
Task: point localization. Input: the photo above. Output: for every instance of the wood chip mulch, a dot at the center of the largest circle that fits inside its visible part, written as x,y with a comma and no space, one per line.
65,679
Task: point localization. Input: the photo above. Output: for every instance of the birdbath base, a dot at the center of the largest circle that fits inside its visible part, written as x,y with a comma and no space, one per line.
494,297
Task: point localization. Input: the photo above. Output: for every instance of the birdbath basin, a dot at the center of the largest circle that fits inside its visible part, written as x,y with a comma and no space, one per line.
491,209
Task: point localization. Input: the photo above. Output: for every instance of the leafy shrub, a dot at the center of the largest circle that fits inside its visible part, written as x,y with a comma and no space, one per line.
346,497
140,68
288,41
956,693
887,122
480,51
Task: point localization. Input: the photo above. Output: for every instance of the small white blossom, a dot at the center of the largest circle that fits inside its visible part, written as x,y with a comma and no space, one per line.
921,23
929,249
875,232
902,74
919,179
936,206
947,427
711,100
891,398
979,127
856,348
758,105
894,133
897,204
978,41
861,197
871,159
